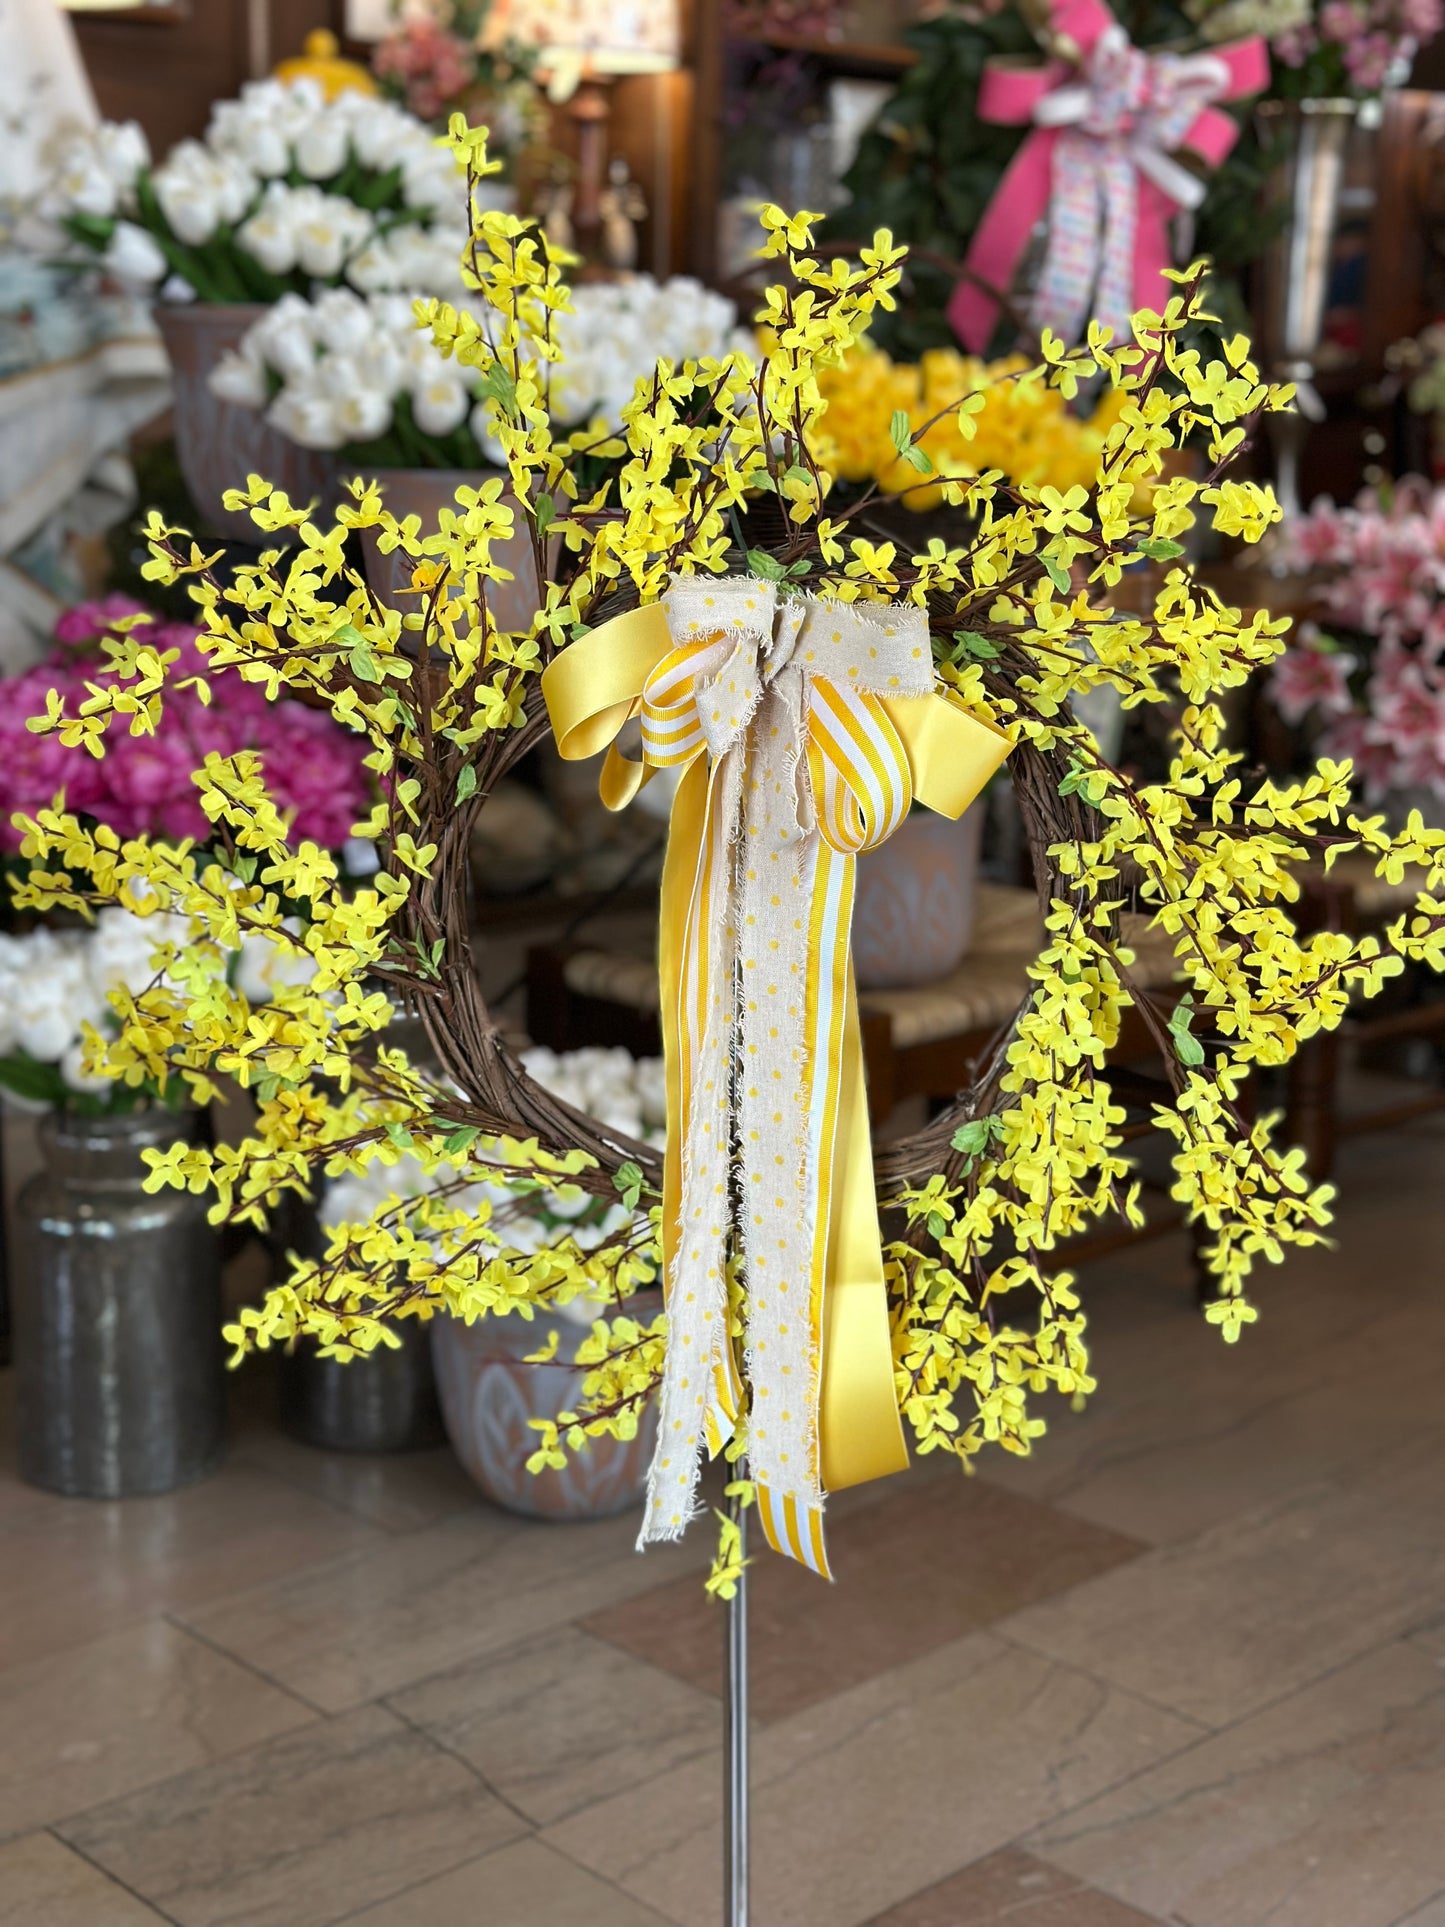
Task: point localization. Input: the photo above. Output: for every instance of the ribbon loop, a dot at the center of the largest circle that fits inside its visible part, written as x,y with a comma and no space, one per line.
805,730
1100,164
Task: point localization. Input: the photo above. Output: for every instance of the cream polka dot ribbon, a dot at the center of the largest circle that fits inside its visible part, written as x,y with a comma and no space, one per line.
801,727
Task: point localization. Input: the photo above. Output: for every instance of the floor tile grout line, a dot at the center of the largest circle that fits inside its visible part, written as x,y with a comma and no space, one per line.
1402,1636
115,1880
608,1881
531,1638
184,1626
432,1739
1403,1920
1020,1645
1027,1842
354,1513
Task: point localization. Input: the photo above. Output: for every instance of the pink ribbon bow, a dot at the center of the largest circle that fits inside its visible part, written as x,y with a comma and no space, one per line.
1099,163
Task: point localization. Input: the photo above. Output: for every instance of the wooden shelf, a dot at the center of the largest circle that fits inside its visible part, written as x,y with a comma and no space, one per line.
880,58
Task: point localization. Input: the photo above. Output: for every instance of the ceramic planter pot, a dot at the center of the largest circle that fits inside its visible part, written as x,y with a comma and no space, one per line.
118,1352
219,443
425,492
489,1393
914,902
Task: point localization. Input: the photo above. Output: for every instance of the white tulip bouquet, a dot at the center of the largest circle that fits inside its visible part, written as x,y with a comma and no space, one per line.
55,992
287,191
629,1094
353,373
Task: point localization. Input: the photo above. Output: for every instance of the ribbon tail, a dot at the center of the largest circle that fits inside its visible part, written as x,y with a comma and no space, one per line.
1000,239
694,953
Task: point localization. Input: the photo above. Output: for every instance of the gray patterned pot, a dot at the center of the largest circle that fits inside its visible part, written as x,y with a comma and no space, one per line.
913,907
219,443
489,1393
425,492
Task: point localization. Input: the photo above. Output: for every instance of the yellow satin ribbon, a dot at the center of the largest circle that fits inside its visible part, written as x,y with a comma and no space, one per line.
923,746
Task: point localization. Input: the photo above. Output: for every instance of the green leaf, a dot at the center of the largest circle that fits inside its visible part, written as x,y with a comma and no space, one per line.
628,1184
915,458
545,510
1187,1047
968,644
1159,550
973,1137
1057,574
364,665
501,387
466,782
27,1077
900,430
937,1225
461,1139
399,1135
766,566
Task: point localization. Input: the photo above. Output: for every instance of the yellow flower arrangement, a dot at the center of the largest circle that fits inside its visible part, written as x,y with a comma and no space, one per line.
985,1315
1024,429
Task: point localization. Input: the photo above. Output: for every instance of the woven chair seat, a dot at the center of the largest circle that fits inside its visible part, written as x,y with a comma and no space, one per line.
983,992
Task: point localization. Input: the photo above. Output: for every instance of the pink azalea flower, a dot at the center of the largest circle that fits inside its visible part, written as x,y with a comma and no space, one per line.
1376,765
1307,678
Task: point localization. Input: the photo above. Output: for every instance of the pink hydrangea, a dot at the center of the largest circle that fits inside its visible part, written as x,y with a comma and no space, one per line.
143,783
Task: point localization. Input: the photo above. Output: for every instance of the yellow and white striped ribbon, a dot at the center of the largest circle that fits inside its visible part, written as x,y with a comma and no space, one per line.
803,731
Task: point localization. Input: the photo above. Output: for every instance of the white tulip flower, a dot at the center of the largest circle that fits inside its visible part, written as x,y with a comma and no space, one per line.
341,320
321,148
123,151
265,968
270,233
440,404
240,378
253,133
328,231
198,190
44,1027
134,257
307,417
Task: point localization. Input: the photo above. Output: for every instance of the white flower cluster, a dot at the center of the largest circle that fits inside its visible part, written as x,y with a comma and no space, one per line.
619,331
331,371
626,1093
343,362
54,982
242,180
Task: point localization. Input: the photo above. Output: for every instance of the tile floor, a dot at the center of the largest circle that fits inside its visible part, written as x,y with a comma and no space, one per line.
1186,1665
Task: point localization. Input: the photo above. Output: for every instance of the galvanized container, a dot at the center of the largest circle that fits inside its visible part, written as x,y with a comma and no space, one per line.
117,1308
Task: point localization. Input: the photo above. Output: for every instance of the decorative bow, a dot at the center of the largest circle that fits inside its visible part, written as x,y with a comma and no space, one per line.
1099,164
804,731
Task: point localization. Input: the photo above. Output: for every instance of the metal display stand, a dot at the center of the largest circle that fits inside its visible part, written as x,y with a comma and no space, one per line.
735,1735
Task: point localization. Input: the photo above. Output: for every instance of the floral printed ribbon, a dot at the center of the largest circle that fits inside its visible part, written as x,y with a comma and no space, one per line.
1100,164
804,731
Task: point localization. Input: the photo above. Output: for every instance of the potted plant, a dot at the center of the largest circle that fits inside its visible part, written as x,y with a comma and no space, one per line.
289,191
358,377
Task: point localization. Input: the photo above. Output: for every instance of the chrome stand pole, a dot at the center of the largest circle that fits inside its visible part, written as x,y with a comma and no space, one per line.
735,1737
